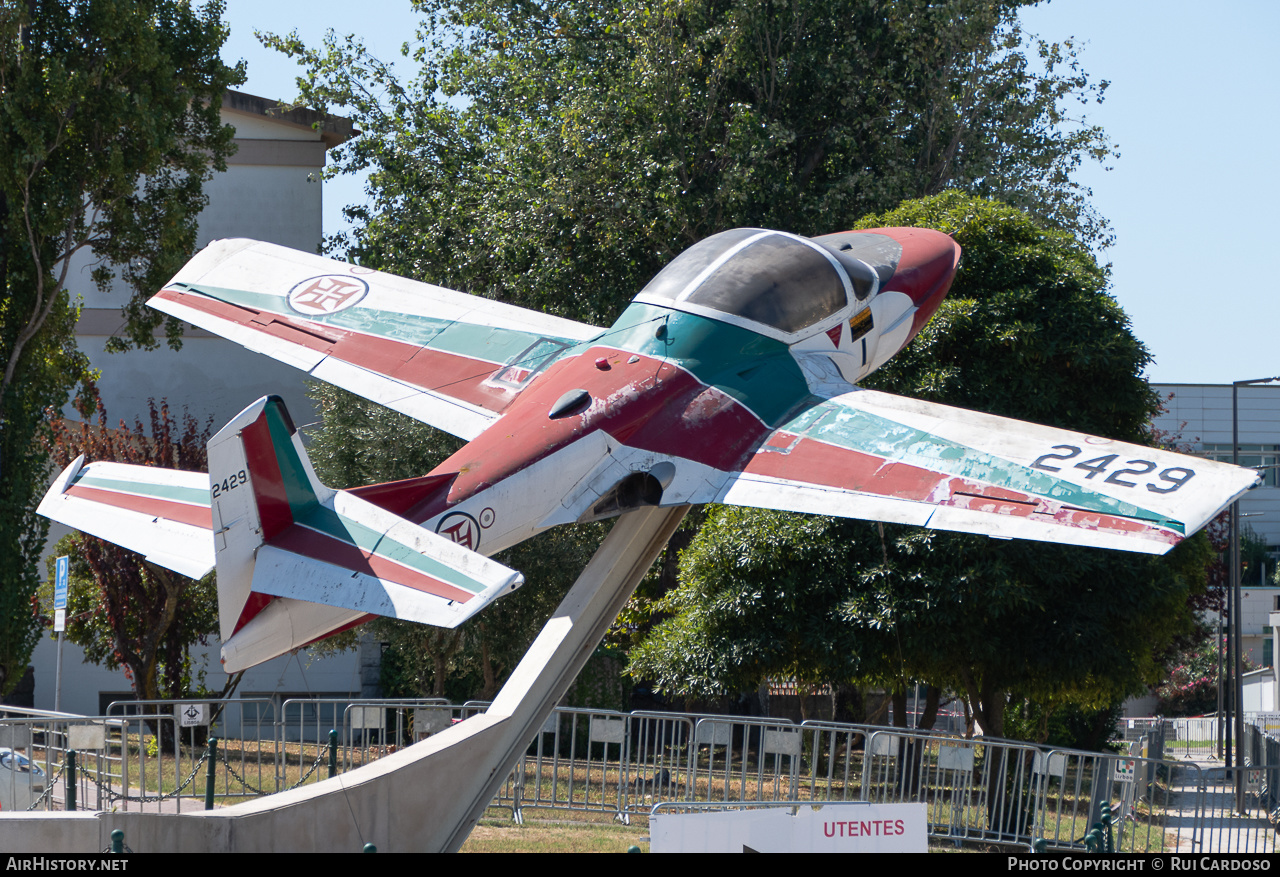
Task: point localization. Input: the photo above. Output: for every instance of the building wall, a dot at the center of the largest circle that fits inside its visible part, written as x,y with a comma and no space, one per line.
1200,414
1197,415
271,191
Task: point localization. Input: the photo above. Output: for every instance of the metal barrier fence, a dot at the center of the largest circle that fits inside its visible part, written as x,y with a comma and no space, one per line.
140,756
122,762
576,762
249,760
983,790
833,760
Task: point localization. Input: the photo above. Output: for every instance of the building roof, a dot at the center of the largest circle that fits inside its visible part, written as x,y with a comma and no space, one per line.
333,130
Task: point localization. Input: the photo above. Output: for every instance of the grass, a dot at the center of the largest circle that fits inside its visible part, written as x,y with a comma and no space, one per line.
542,832
548,832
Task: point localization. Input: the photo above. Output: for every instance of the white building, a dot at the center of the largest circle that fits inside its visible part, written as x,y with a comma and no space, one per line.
1199,416
271,191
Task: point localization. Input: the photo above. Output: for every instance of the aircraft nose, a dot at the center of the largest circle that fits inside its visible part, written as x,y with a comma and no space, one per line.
927,264
926,268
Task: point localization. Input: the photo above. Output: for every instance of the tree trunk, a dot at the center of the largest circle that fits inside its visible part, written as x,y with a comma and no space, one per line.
930,715
911,752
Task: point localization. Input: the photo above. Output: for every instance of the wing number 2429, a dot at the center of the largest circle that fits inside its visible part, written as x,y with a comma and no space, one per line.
231,482
1169,479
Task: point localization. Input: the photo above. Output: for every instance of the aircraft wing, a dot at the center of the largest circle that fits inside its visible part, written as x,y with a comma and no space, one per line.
449,359
872,455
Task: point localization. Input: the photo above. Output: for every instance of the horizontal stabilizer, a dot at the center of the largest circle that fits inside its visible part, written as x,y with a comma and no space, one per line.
296,561
162,514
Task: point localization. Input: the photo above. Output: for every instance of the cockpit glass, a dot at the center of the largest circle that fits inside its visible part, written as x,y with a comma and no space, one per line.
775,279
683,269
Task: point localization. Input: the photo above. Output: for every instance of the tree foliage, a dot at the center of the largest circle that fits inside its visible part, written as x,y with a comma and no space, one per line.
123,611
1028,331
1191,688
556,155
109,126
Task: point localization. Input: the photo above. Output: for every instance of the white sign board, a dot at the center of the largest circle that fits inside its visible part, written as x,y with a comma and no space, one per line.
956,757
84,738
15,736
607,730
430,721
827,828
192,715
367,718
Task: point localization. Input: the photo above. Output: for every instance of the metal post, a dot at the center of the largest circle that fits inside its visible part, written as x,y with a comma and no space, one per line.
333,753
57,676
1237,688
1218,650
71,779
210,777
1237,630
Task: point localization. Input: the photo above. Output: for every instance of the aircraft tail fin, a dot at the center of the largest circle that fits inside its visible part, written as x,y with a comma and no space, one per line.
298,561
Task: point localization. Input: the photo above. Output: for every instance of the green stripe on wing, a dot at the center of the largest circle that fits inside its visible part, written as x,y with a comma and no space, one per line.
859,430
193,495
496,345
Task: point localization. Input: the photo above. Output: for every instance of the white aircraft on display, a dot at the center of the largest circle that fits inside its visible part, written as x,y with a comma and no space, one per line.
731,378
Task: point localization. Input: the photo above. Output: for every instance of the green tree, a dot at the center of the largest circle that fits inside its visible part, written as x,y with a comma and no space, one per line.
1191,686
556,155
123,611
109,126
1028,331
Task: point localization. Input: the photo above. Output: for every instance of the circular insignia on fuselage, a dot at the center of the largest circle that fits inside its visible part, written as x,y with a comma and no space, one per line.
327,294
486,518
461,528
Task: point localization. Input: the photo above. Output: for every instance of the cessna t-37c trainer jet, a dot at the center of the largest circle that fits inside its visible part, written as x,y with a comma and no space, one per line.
731,378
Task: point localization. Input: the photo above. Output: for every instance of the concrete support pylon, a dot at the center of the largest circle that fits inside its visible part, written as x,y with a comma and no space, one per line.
428,797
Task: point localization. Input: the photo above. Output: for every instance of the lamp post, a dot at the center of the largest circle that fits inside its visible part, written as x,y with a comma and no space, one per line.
1237,660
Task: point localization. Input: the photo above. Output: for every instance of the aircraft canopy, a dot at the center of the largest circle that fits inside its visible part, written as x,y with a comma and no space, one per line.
782,281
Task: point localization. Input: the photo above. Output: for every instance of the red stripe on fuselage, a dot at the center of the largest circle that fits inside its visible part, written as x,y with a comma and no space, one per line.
451,374
649,404
255,604
399,497
196,516
323,547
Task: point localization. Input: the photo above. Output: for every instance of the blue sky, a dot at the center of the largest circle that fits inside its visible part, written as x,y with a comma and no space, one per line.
1192,106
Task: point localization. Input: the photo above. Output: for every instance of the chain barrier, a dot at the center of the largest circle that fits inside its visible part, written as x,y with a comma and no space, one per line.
113,795
244,782
46,795
320,759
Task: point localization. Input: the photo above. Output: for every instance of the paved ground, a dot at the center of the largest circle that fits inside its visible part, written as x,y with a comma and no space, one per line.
1205,786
